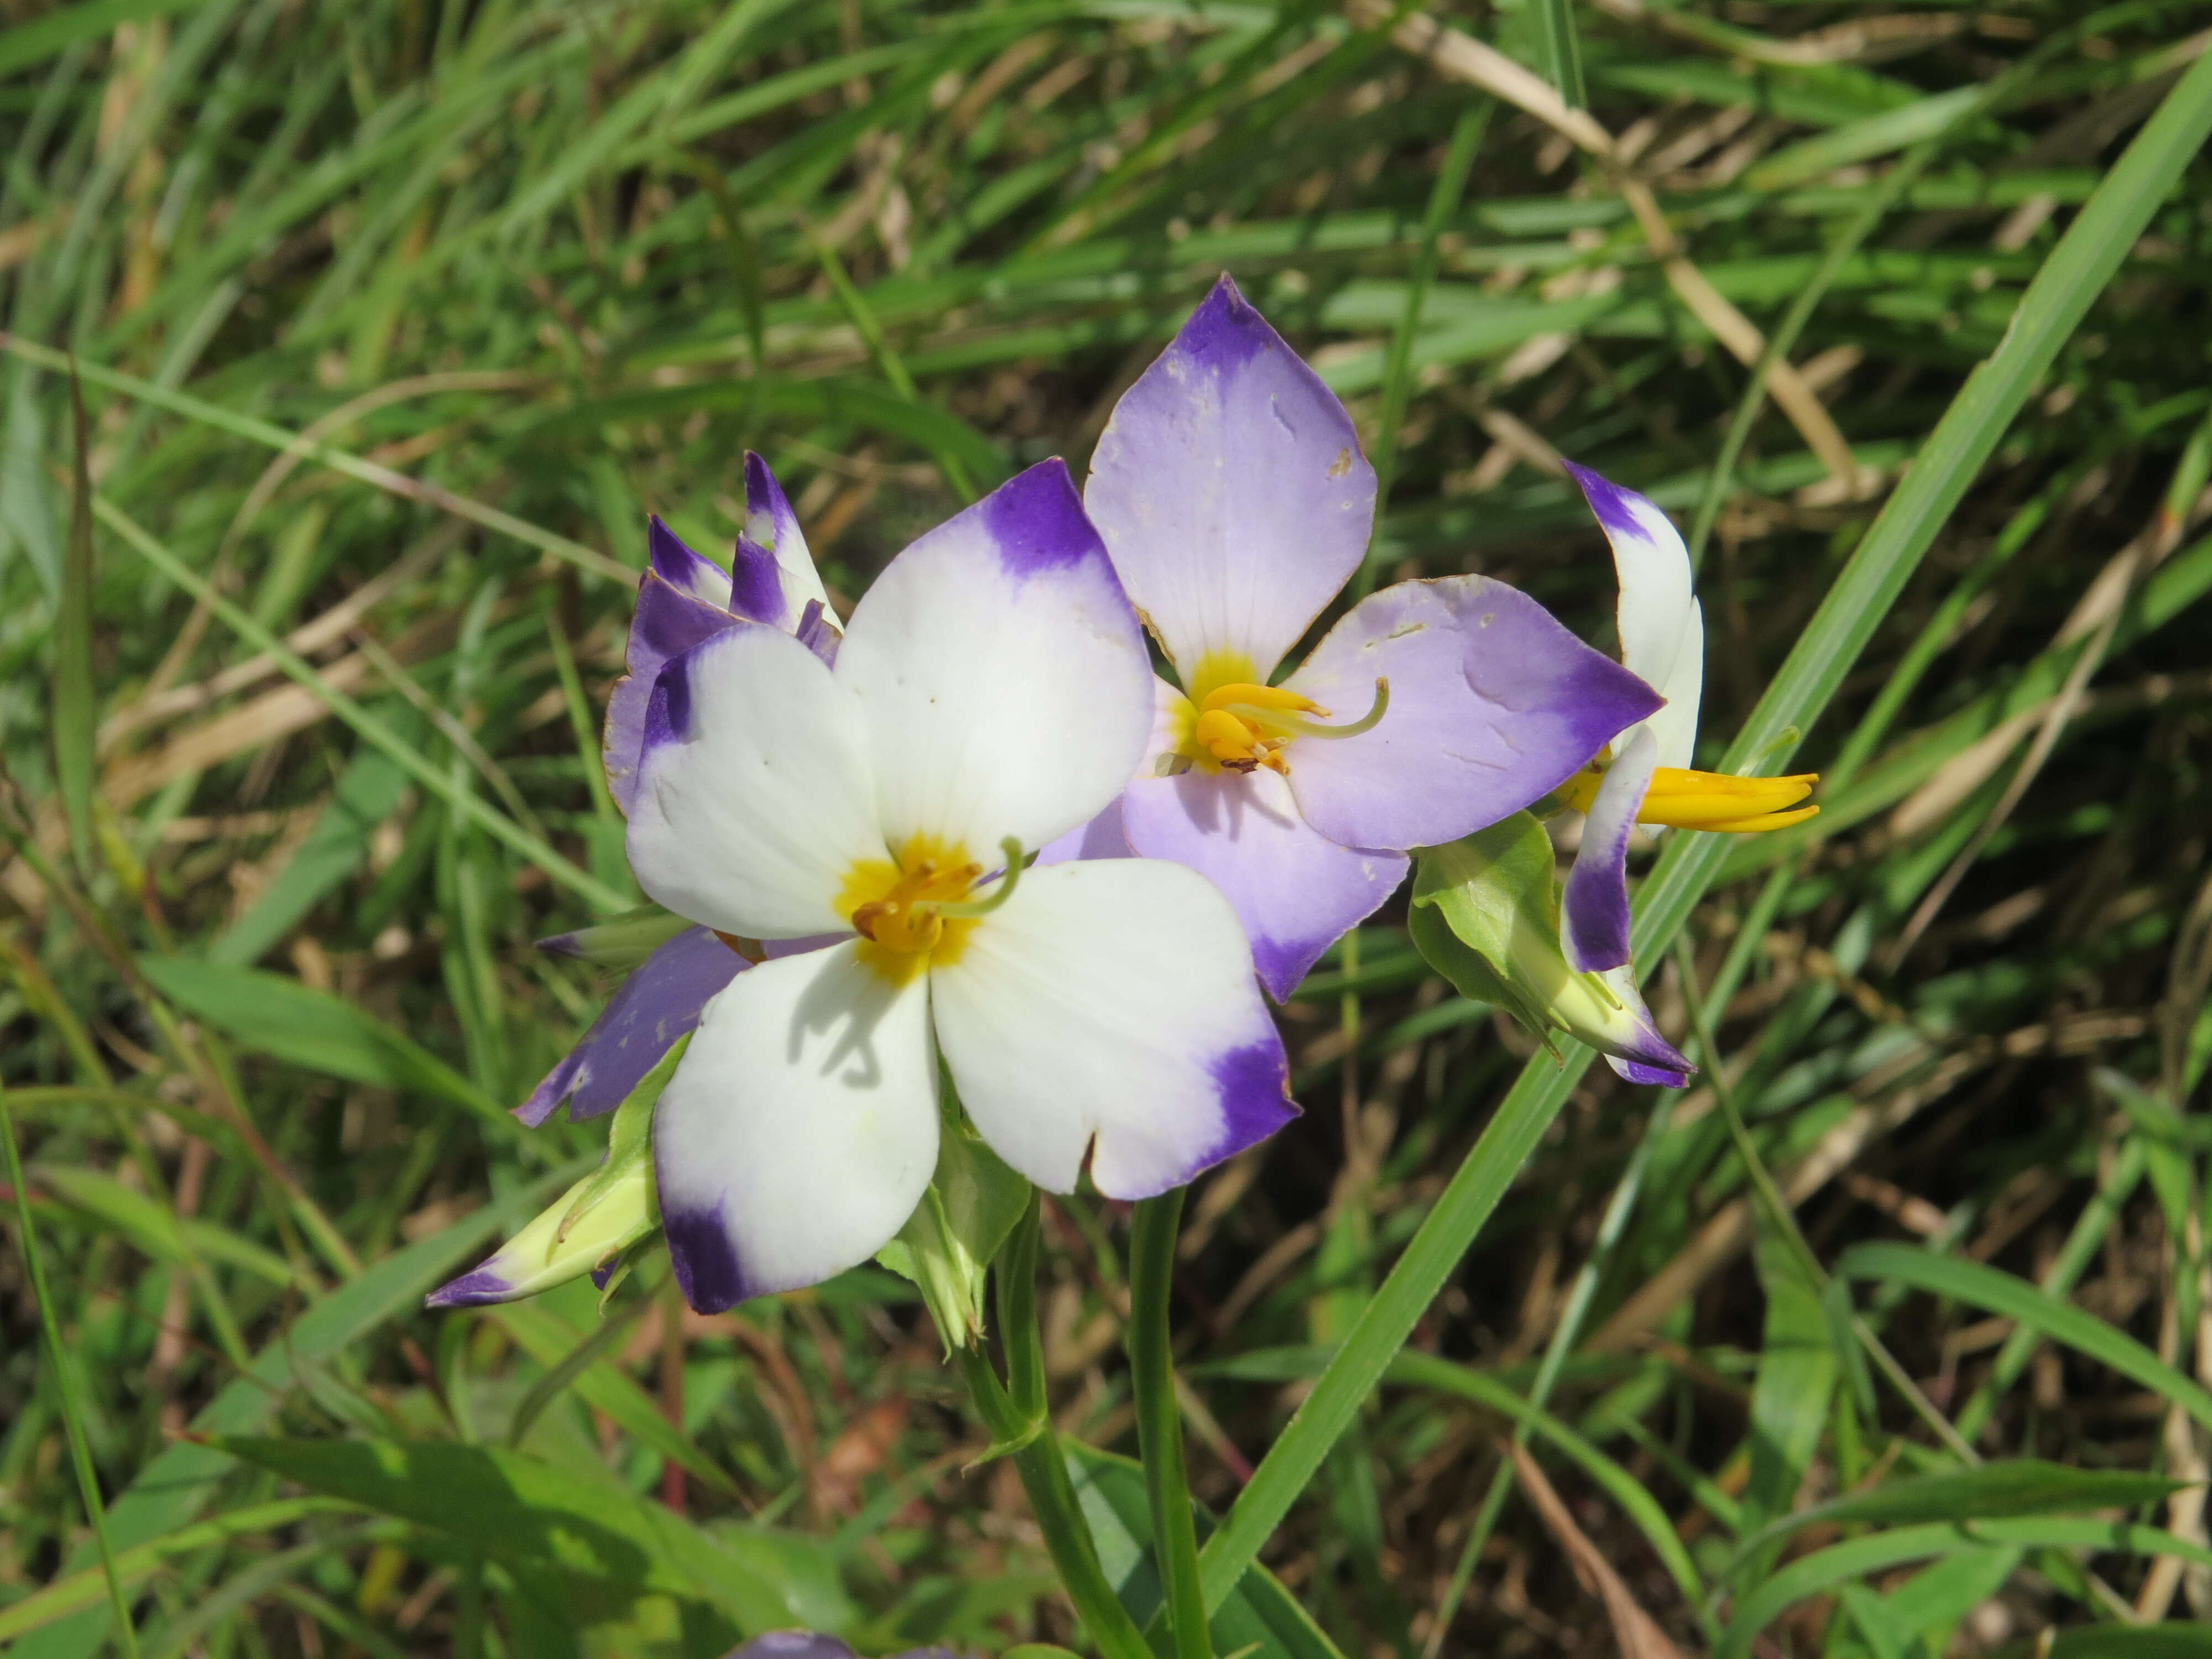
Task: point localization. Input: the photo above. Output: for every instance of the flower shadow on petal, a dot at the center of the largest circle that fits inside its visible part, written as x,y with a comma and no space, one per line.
829,1003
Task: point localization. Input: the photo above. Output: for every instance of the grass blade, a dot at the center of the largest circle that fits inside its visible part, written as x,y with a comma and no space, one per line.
2015,1298
374,731
73,692
88,1480
2054,304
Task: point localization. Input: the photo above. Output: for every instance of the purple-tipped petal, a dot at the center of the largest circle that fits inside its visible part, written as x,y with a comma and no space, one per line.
1296,891
689,573
818,634
542,1256
1630,1042
668,622
1664,1076
1109,1007
1002,674
771,525
756,586
800,1129
1661,626
1230,490
653,1008
480,1287
1492,703
755,798
1593,919
769,520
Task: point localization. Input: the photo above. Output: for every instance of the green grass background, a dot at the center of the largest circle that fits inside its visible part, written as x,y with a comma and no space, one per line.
395,316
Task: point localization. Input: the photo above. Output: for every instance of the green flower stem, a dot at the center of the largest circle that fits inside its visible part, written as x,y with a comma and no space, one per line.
1159,1421
80,1452
1021,1428
1017,1319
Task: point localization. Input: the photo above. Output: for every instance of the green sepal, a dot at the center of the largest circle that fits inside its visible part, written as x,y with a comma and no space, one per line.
947,1246
632,1253
629,1138
1474,900
622,942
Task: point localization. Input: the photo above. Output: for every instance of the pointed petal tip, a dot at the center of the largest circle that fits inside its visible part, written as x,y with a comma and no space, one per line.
1674,1073
668,553
1226,330
477,1288
756,584
1036,518
1614,507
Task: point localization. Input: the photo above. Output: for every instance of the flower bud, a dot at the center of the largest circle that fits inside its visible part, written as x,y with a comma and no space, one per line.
947,1246
543,1255
1485,914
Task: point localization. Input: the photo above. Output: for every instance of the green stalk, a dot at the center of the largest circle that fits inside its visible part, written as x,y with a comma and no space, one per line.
1969,432
88,1481
1043,1472
1159,1421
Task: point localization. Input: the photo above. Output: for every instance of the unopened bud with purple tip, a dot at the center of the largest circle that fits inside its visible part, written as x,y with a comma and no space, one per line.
546,1254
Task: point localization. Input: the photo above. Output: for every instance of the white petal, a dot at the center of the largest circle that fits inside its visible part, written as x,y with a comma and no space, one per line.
754,797
1676,726
800,1128
1658,616
1112,1000
1003,674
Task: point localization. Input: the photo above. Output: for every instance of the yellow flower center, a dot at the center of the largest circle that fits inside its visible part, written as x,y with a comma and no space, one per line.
914,909
1230,722
1684,800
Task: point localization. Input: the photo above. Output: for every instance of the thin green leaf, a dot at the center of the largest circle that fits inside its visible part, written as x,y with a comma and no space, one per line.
1840,1564
522,1508
1968,433
73,718
279,1016
1998,1292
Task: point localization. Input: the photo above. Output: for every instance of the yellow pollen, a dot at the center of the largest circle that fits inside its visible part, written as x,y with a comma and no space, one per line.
895,906
1684,800
1240,725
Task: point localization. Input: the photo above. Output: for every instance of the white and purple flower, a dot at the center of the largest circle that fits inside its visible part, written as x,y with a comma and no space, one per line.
1646,778
683,601
1232,495
991,694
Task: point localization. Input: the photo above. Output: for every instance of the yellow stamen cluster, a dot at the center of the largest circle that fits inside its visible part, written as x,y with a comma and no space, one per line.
897,906
1684,800
1231,723
1240,725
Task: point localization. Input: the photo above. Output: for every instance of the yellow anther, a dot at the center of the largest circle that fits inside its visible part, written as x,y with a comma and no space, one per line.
1229,739
1685,799
899,906
1240,725
1269,697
